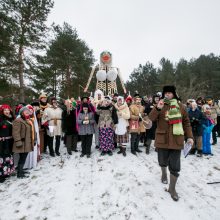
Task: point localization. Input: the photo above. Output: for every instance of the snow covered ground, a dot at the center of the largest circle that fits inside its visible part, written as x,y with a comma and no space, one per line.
113,188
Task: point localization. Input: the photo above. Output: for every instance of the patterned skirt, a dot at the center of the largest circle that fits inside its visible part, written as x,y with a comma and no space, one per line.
6,166
122,139
106,139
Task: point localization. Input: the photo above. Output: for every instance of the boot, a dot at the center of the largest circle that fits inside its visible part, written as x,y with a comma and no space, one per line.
124,151
193,151
2,179
138,150
69,152
172,186
147,149
120,151
164,175
20,173
133,148
57,149
136,147
50,144
199,153
25,172
109,153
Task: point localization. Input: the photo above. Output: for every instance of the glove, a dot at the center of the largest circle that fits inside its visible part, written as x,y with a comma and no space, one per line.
46,125
18,144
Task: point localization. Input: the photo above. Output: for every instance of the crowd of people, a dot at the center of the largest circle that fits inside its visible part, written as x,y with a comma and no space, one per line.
116,122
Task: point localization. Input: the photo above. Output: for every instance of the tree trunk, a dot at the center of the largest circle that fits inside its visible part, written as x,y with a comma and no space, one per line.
68,82
21,73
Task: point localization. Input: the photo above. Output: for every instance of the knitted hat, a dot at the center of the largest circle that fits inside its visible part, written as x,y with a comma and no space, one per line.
24,109
170,88
30,107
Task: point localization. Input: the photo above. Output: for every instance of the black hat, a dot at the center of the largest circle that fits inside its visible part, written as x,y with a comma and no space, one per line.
170,89
85,105
35,103
85,97
115,94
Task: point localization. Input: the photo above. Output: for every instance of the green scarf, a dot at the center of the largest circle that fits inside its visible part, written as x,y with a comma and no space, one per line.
174,116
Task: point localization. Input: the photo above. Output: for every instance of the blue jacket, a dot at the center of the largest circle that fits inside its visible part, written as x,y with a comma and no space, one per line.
207,125
196,117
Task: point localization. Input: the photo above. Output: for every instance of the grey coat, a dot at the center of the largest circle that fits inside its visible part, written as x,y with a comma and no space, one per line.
83,128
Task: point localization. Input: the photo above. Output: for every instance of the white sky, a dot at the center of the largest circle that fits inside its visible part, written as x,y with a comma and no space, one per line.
136,31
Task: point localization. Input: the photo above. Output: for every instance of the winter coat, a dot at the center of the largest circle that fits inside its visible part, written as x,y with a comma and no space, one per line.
215,110
196,118
136,126
69,122
207,124
123,114
22,134
53,116
150,133
6,141
85,129
164,133
107,116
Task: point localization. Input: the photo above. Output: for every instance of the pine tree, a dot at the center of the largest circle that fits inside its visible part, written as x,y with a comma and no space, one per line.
29,17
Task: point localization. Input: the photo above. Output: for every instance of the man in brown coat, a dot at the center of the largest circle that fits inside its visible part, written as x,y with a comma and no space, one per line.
24,137
173,126
136,125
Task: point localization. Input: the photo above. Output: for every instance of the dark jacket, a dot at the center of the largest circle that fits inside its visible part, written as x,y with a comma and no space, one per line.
150,133
5,132
69,122
196,118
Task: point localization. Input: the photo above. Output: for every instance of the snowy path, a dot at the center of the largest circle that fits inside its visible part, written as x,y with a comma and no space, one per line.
113,188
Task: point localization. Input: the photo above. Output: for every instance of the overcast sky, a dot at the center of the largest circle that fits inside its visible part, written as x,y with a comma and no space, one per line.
136,31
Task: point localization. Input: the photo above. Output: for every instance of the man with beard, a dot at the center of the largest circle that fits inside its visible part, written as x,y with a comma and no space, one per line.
172,124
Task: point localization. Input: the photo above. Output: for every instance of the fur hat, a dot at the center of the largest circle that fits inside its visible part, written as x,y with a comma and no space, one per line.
170,88
43,95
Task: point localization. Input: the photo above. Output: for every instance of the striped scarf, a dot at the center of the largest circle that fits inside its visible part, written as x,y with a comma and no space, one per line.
174,116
